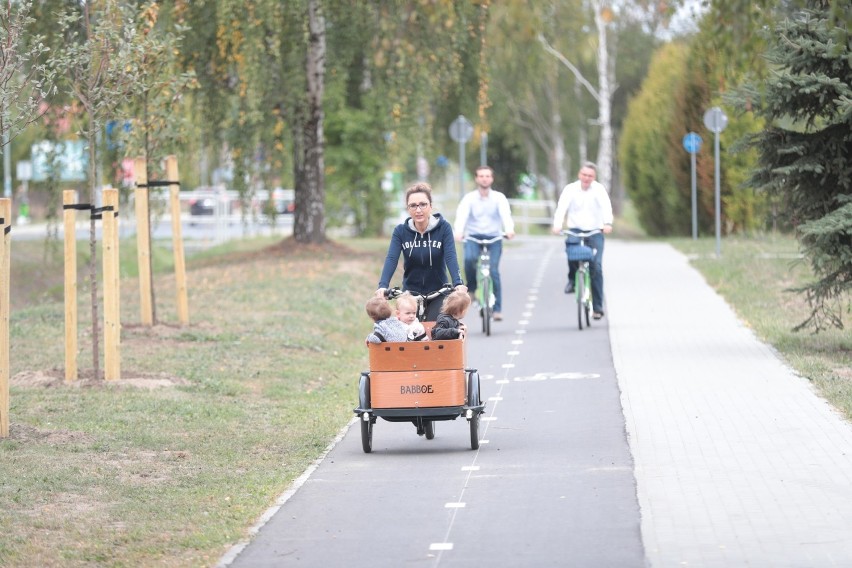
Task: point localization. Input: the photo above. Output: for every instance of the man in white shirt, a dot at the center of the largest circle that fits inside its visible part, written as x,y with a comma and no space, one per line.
584,205
484,213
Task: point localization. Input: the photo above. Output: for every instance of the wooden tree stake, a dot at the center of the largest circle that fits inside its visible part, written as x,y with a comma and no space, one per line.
69,197
177,240
143,242
112,317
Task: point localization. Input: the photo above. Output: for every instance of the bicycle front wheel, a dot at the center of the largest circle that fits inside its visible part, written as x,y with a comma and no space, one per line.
587,300
487,308
580,291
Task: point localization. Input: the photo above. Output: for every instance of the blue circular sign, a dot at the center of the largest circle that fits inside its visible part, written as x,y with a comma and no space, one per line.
692,142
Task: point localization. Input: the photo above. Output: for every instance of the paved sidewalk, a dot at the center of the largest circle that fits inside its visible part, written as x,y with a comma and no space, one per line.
738,462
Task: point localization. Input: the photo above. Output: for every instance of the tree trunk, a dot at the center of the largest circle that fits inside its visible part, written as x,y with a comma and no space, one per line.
558,172
147,142
556,137
93,246
605,89
309,224
582,130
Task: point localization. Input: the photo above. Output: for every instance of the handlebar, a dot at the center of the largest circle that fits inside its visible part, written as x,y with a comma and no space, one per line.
393,293
581,234
485,241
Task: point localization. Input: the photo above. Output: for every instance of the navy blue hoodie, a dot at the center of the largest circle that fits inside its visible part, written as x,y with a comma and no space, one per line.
426,256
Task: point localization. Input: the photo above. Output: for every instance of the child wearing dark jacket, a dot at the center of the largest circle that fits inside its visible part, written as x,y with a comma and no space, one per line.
385,327
448,326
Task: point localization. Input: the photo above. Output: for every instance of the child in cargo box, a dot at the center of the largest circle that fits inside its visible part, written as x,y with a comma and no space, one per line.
448,325
385,327
406,312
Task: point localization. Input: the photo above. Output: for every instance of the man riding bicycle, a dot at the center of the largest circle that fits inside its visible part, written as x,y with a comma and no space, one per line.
584,205
484,213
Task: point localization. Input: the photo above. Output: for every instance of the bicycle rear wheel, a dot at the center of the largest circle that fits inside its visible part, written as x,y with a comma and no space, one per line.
588,300
580,291
429,426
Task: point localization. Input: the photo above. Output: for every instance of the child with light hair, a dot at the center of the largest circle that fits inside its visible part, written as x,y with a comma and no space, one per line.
385,326
448,326
406,312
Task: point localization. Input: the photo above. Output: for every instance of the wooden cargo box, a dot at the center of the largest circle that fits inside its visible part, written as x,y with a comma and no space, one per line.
417,374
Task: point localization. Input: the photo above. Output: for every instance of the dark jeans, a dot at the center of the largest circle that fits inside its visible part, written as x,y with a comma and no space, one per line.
596,269
471,255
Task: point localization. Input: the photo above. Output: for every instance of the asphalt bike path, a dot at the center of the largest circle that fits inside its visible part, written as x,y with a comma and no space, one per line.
552,483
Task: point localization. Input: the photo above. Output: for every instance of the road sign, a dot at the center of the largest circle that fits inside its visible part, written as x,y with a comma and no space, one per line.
715,120
692,142
70,159
461,130
24,170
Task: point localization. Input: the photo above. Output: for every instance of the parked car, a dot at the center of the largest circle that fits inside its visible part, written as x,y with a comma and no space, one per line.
202,205
203,200
284,200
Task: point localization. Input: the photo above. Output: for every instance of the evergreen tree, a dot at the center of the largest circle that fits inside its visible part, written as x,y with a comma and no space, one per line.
645,168
804,150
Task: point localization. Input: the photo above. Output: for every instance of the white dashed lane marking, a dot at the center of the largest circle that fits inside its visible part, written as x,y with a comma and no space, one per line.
526,316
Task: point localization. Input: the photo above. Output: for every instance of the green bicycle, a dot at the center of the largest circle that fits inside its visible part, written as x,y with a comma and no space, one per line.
484,284
583,254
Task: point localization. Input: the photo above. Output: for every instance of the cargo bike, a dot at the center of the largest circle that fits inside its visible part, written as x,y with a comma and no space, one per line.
422,382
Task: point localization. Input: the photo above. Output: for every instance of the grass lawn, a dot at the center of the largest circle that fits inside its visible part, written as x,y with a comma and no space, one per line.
755,276
210,422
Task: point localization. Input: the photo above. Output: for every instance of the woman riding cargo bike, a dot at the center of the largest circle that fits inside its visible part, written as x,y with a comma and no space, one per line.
421,382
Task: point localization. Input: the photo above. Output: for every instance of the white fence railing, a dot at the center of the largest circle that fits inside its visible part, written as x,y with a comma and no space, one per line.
211,216
527,213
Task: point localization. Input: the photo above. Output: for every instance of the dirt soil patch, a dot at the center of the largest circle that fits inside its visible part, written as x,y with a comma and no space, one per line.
55,378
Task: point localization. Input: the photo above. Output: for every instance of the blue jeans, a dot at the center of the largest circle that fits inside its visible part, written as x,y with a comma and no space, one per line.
471,255
596,269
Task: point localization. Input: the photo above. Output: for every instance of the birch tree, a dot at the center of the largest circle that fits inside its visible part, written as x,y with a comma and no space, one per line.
25,80
96,61
309,157
602,93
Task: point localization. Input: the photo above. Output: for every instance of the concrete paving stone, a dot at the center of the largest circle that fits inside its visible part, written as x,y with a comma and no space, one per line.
738,461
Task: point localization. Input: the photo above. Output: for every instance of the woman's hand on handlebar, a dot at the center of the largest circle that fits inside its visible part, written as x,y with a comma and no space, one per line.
381,293
461,288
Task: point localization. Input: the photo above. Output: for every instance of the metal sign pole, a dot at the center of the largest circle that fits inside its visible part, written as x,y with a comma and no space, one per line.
692,143
716,121
694,199
718,197
460,131
461,168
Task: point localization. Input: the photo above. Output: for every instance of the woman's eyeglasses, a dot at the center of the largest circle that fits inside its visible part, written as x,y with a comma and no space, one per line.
416,206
